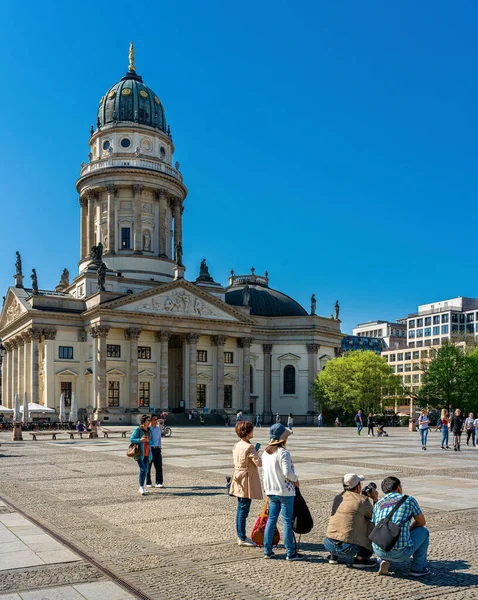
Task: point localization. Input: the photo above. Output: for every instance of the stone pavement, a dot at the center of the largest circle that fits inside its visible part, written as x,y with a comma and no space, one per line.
178,543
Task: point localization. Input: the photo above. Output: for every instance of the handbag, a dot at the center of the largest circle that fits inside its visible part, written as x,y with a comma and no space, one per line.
386,533
133,451
302,521
257,535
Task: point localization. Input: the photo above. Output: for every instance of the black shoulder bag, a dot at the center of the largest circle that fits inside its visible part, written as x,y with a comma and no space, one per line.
386,533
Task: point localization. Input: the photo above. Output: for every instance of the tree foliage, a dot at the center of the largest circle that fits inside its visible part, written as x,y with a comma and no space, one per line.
450,378
358,380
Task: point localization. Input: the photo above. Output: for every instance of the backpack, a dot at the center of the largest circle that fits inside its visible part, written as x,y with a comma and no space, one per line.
302,521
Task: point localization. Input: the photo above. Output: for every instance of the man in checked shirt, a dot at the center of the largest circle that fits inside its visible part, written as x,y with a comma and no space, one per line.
414,538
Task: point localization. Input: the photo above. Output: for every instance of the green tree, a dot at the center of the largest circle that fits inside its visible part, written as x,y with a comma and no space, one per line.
358,380
450,378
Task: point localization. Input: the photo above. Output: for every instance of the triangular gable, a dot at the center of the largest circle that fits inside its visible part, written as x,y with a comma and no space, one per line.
289,356
178,299
146,373
13,308
115,372
67,373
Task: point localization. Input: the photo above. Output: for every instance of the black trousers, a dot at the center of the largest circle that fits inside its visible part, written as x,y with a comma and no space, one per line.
370,429
158,466
470,433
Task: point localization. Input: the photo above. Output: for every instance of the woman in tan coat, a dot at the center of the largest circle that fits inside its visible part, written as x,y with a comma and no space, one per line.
245,483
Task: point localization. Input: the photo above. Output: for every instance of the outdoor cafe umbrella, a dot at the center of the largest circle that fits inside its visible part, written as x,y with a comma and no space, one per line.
25,408
62,415
17,408
5,410
74,409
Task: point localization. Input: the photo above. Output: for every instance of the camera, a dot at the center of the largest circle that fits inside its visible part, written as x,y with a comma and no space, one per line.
368,489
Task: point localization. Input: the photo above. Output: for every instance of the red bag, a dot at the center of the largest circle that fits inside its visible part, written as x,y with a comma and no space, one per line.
257,535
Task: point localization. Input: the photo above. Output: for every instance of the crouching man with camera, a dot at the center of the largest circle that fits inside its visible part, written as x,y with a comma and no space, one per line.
351,523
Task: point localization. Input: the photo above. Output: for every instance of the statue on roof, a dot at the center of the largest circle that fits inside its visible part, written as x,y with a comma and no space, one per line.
96,252
34,281
131,57
101,277
18,271
337,310
65,277
313,305
246,295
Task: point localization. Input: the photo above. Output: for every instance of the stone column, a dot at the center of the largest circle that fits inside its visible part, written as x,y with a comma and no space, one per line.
111,191
245,344
162,226
51,393
15,389
137,191
21,358
132,334
219,341
83,228
164,369
99,333
26,361
7,398
92,196
34,366
267,349
312,350
192,339
178,228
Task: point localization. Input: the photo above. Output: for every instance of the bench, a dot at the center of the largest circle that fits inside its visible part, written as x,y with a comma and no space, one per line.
106,432
53,434
73,432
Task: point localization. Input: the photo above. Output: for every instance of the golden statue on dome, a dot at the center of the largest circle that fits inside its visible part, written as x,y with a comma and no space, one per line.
131,57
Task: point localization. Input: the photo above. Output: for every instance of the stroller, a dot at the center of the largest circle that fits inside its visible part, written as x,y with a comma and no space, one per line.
381,431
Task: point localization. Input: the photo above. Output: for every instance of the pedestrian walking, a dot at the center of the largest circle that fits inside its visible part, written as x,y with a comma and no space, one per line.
190,415
258,421
141,436
456,426
290,421
319,420
245,482
156,456
277,418
423,423
239,416
359,422
470,429
279,481
370,424
445,421
337,422
475,424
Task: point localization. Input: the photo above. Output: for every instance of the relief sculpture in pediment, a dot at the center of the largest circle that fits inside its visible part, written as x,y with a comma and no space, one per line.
13,312
178,302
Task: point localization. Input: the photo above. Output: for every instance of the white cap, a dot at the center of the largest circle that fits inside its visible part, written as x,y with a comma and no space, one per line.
351,480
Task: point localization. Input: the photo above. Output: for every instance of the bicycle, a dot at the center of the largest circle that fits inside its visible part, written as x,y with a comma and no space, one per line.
166,431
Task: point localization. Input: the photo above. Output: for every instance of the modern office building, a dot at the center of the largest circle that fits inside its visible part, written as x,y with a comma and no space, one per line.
393,335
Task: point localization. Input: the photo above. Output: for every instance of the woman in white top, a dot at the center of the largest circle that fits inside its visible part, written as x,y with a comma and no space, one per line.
423,422
290,421
280,481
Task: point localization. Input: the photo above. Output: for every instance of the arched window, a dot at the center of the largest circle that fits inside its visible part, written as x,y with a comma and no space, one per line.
289,379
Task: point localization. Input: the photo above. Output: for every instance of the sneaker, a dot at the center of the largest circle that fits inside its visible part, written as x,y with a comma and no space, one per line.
246,542
159,485
296,556
384,566
142,490
422,573
447,447
364,563
455,448
442,447
149,485
424,447
271,555
333,560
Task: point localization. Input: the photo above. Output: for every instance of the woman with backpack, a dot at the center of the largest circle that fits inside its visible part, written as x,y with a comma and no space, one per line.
245,482
279,481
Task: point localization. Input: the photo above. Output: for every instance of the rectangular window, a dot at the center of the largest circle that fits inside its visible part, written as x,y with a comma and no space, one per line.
66,389
201,395
408,368
229,358
436,320
436,330
444,329
428,331
428,342
454,318
411,344
400,356
392,357
428,321
113,393
125,238
445,318
424,354
228,396
407,379
436,341
393,369
419,344
462,328
144,393
454,328
415,378
399,368
144,352
416,355
462,318
470,317
411,324
470,327
419,322
419,333
65,352
202,355
408,356
113,350
411,334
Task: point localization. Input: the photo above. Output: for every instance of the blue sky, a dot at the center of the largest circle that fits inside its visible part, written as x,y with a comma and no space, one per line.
332,144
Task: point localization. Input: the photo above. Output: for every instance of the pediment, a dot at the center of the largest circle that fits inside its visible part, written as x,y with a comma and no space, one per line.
204,376
289,357
67,373
179,299
146,373
115,373
12,309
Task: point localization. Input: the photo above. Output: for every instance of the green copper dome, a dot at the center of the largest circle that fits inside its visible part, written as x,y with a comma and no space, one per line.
132,101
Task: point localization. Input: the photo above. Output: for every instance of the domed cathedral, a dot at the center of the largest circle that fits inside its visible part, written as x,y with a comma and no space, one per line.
130,334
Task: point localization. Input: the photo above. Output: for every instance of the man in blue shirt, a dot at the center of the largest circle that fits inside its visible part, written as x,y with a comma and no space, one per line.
413,541
359,422
157,459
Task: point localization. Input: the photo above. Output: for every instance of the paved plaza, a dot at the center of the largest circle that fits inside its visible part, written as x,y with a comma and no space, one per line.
72,524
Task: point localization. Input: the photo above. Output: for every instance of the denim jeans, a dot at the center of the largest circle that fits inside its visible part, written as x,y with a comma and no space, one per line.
444,436
359,426
276,504
143,464
424,435
242,512
345,549
418,550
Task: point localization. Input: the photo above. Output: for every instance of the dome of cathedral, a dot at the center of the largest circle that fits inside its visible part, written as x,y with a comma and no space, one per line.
131,100
263,300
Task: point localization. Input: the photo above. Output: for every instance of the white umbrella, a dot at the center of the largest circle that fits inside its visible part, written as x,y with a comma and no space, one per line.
17,408
5,410
62,415
74,409
33,407
25,408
